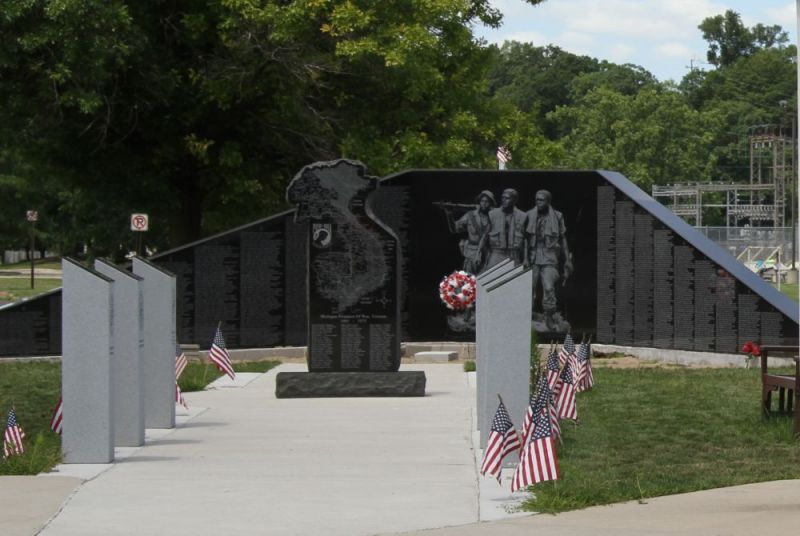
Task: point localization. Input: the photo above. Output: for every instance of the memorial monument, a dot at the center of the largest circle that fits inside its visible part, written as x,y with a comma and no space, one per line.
87,365
353,272
642,276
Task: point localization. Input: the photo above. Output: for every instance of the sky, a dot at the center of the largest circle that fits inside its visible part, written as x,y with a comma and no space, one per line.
659,35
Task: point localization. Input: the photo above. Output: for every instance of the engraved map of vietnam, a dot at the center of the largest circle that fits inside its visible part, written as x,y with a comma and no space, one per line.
344,275
353,270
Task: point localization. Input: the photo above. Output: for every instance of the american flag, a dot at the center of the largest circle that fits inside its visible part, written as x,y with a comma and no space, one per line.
588,375
582,360
503,154
536,404
219,355
544,402
503,440
552,369
180,361
527,421
58,417
552,412
538,461
567,408
579,366
179,396
567,350
12,439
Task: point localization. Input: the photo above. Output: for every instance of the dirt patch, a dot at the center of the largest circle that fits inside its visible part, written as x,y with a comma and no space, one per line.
628,362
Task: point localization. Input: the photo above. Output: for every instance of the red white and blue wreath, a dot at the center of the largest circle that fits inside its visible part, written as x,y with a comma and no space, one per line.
457,290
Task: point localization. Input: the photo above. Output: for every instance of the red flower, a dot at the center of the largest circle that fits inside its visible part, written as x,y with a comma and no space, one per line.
747,348
756,350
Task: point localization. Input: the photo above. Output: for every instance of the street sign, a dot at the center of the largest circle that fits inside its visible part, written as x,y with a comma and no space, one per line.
32,215
139,222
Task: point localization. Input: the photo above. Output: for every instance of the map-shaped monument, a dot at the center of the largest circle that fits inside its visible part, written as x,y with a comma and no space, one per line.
353,270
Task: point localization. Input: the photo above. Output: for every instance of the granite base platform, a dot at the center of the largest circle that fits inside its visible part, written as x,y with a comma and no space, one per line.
349,384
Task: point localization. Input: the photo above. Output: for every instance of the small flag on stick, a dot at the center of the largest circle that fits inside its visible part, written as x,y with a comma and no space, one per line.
579,366
582,362
503,156
179,396
567,408
536,405
12,439
538,461
567,350
542,403
219,355
503,440
180,366
58,417
180,361
588,375
553,369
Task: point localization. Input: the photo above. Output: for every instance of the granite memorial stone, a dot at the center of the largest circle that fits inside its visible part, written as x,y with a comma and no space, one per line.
506,363
158,299
353,270
127,381
494,273
87,365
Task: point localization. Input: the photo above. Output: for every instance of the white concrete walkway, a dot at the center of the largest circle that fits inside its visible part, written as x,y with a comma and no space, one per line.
252,464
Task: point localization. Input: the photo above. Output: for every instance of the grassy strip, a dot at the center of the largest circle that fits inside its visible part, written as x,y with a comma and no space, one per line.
197,375
34,388
651,432
16,288
791,290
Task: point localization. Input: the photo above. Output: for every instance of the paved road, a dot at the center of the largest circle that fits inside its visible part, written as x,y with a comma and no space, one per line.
42,273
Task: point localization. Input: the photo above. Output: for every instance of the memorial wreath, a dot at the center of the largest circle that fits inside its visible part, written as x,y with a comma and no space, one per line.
457,290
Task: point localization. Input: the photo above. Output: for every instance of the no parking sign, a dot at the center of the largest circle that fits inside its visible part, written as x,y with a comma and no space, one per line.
139,222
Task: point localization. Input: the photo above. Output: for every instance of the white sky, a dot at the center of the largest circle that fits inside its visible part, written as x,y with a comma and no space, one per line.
659,35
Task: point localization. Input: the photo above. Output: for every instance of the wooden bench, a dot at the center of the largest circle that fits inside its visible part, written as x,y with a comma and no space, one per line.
787,385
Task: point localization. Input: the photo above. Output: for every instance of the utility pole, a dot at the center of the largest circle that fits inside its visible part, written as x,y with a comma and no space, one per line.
32,216
792,275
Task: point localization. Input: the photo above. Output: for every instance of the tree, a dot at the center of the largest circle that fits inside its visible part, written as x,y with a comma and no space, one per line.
652,137
199,113
534,78
729,39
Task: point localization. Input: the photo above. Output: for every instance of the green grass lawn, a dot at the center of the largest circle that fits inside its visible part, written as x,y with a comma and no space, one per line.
34,388
651,432
790,290
197,375
16,288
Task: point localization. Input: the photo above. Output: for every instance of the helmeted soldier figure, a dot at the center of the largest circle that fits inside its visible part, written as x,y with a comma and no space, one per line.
546,248
475,247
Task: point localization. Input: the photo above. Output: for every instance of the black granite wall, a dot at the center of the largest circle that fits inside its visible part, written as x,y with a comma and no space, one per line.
642,277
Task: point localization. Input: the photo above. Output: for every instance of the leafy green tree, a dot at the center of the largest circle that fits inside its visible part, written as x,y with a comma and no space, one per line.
199,113
534,78
756,90
729,39
537,80
652,137
627,79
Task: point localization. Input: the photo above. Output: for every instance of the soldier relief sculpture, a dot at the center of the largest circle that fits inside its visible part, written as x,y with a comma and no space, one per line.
536,238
